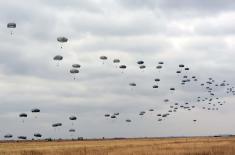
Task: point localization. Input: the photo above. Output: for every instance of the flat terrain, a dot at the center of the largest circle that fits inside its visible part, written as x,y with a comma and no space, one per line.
163,146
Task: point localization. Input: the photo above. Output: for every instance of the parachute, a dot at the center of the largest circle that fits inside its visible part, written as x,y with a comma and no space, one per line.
72,130
62,40
142,67
103,58
74,71
35,110
11,26
113,116
38,135
23,115
122,67
157,80
76,66
56,124
106,115
116,61
172,88
140,62
155,86
22,137
58,58
158,67
73,118
7,136
132,84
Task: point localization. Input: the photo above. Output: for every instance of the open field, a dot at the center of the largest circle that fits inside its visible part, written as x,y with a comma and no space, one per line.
163,146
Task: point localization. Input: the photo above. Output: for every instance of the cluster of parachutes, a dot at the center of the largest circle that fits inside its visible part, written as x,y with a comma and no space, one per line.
75,67
211,102
185,79
23,116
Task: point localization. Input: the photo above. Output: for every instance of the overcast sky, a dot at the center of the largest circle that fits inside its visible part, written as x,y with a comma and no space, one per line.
199,34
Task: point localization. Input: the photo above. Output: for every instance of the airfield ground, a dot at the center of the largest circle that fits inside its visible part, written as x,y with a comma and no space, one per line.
145,146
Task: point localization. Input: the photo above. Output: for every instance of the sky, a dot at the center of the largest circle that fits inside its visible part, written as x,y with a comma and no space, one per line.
198,34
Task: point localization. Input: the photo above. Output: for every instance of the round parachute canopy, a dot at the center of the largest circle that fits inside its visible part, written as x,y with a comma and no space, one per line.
103,57
37,135
157,79
106,115
166,100
128,120
164,115
132,84
113,116
35,110
181,65
142,66
56,124
76,66
74,71
22,137
62,39
11,25
8,136
140,62
73,118
116,61
58,58
160,62
159,67
186,69
72,130
23,115
172,88
122,66
155,86
117,113
143,112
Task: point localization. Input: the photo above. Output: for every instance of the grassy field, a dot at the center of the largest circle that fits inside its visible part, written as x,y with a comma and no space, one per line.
164,146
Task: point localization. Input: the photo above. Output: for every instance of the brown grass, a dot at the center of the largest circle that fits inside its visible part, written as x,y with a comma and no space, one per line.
170,146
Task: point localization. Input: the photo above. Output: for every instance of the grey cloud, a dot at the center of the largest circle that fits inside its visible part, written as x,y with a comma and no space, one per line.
181,8
128,30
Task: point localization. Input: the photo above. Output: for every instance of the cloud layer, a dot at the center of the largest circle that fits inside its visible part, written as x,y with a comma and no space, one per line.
199,34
